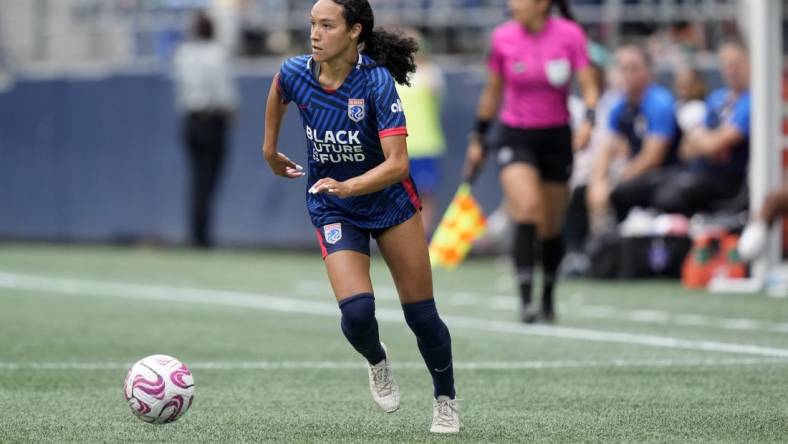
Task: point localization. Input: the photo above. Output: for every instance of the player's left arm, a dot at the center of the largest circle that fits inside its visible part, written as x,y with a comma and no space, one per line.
718,143
390,120
651,156
661,130
713,143
392,170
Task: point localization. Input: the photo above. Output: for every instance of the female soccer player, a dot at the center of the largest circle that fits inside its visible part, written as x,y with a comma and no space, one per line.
530,66
359,187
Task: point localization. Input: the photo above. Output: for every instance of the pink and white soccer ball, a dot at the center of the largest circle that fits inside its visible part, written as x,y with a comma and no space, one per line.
159,389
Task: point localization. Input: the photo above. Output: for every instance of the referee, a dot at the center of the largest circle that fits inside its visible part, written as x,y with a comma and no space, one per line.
207,97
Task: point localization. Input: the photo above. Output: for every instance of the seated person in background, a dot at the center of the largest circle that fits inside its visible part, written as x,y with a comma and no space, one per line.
576,225
691,91
644,132
715,156
753,239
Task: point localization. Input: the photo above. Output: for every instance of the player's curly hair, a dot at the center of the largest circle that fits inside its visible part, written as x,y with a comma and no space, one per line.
392,50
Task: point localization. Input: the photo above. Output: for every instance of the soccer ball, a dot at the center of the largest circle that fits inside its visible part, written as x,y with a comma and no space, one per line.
159,389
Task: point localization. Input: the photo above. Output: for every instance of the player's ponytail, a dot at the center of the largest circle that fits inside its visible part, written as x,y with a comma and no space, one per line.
394,51
563,8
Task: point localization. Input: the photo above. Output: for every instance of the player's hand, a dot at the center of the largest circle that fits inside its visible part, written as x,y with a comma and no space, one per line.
582,136
330,186
474,159
281,165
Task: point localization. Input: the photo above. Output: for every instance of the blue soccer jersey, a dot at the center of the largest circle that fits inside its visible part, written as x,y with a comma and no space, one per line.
343,130
653,116
728,109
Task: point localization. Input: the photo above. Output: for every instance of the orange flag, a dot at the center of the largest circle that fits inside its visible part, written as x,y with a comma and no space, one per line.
462,224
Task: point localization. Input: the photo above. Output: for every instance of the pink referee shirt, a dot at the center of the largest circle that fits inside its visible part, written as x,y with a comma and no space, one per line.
537,70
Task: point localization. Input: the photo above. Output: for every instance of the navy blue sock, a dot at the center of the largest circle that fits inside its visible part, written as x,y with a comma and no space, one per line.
434,343
360,326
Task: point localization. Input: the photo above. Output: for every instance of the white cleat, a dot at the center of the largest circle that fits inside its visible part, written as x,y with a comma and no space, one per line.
445,415
753,240
385,390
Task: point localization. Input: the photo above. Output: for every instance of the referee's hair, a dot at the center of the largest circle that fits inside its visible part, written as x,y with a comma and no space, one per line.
563,8
392,50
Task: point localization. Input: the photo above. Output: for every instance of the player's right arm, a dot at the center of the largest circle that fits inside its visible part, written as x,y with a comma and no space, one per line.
275,109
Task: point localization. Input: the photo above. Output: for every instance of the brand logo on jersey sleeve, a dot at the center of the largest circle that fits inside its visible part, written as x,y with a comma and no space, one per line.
355,109
332,233
397,107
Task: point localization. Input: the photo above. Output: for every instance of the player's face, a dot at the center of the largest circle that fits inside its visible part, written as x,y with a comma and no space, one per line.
329,34
632,69
525,11
734,67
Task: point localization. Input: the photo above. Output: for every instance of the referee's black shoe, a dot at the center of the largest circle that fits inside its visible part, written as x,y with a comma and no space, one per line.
531,315
528,313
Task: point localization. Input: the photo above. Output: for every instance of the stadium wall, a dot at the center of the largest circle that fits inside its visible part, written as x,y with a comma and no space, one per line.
100,160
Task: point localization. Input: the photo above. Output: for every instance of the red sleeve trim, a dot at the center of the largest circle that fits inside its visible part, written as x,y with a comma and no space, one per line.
398,131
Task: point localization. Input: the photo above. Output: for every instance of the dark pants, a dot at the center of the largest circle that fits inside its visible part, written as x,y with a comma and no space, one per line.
576,227
688,192
637,192
204,134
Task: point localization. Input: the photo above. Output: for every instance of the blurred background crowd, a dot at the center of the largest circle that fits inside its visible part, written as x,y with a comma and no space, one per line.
76,33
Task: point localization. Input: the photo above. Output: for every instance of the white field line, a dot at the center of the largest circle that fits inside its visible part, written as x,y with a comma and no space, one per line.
580,310
684,319
342,365
300,306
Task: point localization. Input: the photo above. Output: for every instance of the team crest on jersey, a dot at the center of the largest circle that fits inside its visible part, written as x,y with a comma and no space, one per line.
355,109
332,233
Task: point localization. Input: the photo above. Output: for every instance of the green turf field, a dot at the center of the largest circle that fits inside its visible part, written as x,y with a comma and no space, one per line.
627,362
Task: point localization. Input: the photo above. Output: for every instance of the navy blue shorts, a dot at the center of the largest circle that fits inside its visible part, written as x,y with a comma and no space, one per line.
340,236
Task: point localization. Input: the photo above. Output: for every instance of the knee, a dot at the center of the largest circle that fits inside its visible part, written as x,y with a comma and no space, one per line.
525,211
423,319
550,228
358,312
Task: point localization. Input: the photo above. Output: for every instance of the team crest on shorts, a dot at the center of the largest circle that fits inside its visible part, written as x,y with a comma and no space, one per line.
355,109
332,233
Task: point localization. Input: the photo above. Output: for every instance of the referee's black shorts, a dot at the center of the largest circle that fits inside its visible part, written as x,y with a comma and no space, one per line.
549,150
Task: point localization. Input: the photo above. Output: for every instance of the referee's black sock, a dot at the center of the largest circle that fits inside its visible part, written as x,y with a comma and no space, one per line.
552,253
523,254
